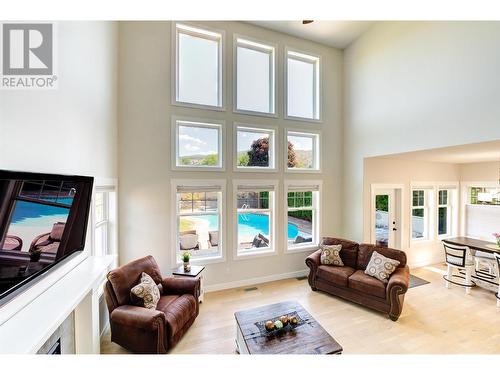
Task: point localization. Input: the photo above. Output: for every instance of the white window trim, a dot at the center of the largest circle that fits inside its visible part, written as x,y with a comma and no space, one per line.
174,143
428,190
317,221
317,147
174,229
318,101
174,65
250,254
272,78
449,212
273,154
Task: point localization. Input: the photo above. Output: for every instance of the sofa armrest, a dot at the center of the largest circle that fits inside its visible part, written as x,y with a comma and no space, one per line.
181,285
396,288
313,262
138,317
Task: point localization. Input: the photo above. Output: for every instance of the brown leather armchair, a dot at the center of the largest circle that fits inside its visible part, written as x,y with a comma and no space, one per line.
143,330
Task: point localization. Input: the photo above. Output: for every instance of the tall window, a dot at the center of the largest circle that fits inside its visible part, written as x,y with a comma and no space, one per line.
302,151
444,212
302,86
197,145
199,219
254,148
302,222
198,66
255,218
419,212
255,77
104,221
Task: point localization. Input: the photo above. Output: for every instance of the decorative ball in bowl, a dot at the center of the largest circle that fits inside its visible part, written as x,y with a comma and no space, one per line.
280,323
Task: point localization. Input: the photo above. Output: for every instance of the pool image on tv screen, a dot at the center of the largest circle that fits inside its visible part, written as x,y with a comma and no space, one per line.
41,222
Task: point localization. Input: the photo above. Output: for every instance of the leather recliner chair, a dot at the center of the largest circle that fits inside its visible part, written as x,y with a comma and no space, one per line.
143,330
350,281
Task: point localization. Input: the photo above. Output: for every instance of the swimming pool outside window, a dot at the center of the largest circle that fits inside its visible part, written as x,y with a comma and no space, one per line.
302,215
255,218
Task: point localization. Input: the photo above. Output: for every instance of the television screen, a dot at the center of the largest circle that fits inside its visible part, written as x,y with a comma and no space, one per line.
43,219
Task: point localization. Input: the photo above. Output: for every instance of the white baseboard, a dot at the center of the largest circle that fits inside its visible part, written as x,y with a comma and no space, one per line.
255,280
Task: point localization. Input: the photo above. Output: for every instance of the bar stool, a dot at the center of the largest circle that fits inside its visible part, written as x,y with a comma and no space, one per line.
460,258
482,258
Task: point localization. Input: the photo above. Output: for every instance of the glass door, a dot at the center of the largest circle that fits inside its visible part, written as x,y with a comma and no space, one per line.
384,220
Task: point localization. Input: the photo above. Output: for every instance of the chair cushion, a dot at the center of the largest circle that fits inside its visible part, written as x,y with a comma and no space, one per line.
381,267
57,231
178,311
165,301
148,291
366,250
330,255
188,241
366,284
338,275
349,252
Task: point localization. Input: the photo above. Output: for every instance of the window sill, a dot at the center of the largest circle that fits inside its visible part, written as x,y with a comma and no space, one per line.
199,106
301,249
254,254
204,261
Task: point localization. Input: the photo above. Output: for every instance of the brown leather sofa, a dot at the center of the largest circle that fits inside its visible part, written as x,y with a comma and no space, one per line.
142,330
350,281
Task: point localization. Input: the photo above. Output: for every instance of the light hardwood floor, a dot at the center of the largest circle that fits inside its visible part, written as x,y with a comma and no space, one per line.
435,320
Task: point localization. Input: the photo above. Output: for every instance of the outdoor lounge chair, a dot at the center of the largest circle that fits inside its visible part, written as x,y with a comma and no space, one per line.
188,240
260,241
213,238
48,242
13,243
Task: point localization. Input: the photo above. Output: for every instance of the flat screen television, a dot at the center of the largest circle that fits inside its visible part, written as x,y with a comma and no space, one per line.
43,220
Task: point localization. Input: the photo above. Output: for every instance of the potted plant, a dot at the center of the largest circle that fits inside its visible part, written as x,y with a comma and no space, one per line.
185,258
497,237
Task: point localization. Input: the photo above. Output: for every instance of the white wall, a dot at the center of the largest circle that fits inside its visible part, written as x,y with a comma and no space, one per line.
412,86
144,147
72,129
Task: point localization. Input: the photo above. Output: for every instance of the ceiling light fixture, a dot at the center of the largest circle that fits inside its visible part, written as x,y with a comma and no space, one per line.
307,22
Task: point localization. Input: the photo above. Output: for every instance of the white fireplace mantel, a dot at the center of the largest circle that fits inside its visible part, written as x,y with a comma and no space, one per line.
24,331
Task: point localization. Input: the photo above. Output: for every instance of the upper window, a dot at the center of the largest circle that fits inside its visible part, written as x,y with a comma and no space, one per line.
255,79
254,148
419,212
198,66
302,153
255,218
302,202
302,86
484,195
199,218
104,221
197,145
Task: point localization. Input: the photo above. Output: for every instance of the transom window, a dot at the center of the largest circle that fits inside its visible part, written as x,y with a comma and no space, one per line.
199,220
197,145
254,148
302,85
255,76
302,203
302,152
255,218
198,66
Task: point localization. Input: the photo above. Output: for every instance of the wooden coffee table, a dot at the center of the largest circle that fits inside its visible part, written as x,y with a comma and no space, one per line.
308,338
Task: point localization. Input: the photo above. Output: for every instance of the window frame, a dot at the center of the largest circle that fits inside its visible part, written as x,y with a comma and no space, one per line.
201,31
428,236
110,221
317,212
449,213
220,125
273,131
318,98
272,78
271,250
316,135
175,216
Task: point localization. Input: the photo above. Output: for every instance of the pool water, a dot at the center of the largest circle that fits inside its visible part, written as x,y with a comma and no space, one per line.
34,214
249,225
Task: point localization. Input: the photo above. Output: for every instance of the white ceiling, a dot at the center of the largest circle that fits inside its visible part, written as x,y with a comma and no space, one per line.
338,34
472,153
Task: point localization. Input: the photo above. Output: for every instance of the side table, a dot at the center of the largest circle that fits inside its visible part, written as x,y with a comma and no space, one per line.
196,271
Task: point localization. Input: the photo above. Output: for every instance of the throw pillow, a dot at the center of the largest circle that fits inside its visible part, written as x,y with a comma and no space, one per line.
330,255
148,291
381,267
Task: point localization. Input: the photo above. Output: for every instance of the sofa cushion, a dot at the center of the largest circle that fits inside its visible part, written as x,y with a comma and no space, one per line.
178,312
366,250
330,255
337,275
146,290
366,284
165,301
349,252
381,267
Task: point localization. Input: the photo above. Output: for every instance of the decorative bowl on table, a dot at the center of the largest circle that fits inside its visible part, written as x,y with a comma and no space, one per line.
280,324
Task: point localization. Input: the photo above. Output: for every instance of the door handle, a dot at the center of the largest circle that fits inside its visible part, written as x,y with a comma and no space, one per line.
394,229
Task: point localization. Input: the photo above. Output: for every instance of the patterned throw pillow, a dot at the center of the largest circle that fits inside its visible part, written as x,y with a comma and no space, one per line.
381,267
330,255
147,291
